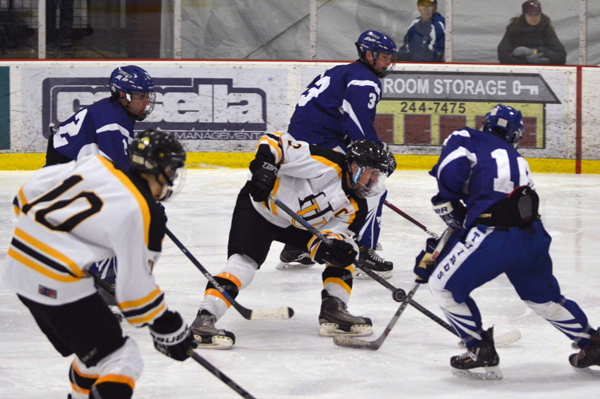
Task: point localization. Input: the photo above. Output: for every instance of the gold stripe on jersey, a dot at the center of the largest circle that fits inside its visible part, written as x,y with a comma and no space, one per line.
273,140
136,193
329,163
145,309
43,259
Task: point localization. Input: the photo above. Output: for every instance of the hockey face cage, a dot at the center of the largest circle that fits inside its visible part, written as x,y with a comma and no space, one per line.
157,153
377,43
136,87
505,122
367,165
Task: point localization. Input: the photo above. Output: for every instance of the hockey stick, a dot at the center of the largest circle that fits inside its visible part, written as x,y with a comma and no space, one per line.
204,363
199,359
397,293
410,219
350,342
249,314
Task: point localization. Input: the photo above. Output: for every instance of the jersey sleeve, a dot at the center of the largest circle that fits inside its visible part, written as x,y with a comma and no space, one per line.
75,133
359,109
453,169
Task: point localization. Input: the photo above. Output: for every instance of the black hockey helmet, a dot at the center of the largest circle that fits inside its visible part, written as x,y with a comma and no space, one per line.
368,160
157,153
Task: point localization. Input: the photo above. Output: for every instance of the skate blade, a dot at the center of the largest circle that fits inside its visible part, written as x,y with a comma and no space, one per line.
219,342
292,266
480,373
360,275
594,372
357,330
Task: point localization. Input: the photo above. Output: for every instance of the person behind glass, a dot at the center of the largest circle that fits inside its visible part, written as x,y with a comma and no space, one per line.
66,26
531,39
425,39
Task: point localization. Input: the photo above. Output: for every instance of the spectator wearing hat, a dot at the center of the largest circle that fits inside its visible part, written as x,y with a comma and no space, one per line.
425,39
531,39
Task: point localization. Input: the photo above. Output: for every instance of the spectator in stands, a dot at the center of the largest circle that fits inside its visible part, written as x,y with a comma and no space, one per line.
425,39
531,39
65,31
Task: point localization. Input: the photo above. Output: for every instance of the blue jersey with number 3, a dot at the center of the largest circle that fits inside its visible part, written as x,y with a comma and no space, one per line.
103,128
480,169
338,107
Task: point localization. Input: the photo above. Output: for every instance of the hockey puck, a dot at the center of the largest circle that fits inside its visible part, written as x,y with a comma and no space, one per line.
399,294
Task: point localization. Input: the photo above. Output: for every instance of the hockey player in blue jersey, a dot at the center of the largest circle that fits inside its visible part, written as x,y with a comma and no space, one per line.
106,128
337,108
486,196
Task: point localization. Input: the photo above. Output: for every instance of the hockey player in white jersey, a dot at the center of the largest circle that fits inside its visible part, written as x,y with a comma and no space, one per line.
70,216
329,190
106,128
337,108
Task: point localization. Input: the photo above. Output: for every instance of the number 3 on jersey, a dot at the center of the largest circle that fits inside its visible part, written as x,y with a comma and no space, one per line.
320,86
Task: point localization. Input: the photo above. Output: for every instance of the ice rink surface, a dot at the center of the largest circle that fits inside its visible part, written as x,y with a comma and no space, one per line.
287,359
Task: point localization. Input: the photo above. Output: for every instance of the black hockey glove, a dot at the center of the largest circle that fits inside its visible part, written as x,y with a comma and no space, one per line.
424,265
338,253
391,159
452,212
262,182
171,336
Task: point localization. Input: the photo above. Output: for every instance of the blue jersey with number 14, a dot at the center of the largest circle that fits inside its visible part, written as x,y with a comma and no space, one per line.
480,169
338,107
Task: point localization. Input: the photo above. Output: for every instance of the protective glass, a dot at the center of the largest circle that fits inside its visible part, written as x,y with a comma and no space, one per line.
368,181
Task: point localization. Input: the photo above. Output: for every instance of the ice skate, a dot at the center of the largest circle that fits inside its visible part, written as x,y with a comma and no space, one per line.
207,336
374,262
292,258
335,320
480,362
588,356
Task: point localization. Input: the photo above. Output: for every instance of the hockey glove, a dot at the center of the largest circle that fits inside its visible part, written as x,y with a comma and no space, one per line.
424,265
523,51
391,159
262,182
340,252
452,212
171,336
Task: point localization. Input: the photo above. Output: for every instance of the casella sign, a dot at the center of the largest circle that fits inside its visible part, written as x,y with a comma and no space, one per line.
191,108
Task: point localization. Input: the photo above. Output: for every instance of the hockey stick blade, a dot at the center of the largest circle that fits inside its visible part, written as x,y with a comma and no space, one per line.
507,338
350,342
249,314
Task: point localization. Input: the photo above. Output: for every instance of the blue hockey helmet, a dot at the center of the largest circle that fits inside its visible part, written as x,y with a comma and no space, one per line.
376,43
505,122
131,83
